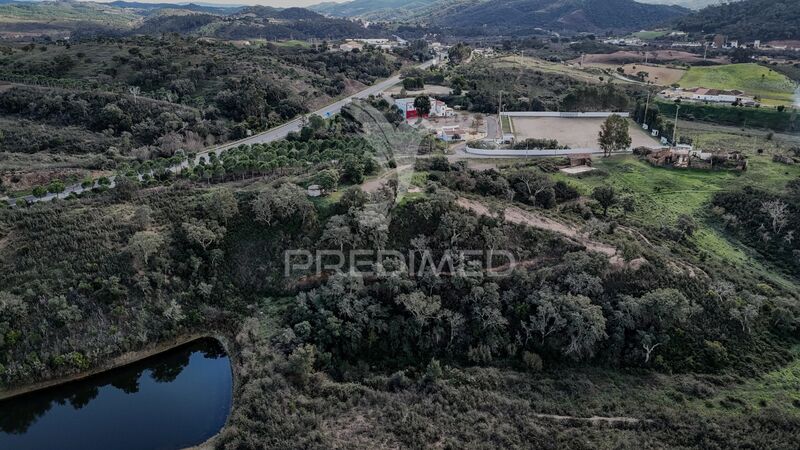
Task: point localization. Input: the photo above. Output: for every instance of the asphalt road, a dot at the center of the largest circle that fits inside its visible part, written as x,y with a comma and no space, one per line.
280,132
271,135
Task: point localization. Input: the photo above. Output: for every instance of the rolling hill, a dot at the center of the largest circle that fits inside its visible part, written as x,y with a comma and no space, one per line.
691,4
76,19
370,8
481,17
748,19
569,15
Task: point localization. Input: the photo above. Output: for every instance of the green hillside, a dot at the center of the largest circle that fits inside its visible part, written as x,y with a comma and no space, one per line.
771,86
65,12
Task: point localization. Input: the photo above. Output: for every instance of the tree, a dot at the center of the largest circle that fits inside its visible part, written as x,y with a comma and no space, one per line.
741,55
135,91
655,316
585,327
686,226
221,205
459,53
778,212
56,187
287,202
328,179
198,234
605,196
614,135
300,364
353,169
535,188
143,244
423,105
547,319
39,191
339,233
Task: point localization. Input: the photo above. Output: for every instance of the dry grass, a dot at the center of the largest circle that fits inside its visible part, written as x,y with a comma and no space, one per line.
575,133
660,75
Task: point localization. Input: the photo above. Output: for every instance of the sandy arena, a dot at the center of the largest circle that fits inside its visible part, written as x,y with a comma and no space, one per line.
574,133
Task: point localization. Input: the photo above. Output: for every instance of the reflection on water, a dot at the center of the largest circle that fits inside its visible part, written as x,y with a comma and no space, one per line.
173,400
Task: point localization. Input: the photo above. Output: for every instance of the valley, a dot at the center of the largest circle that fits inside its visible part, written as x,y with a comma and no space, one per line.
383,224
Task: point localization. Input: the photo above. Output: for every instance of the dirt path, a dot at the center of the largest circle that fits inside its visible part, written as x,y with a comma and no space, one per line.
594,419
517,215
374,184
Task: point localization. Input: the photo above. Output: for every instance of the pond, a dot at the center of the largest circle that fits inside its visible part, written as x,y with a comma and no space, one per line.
173,400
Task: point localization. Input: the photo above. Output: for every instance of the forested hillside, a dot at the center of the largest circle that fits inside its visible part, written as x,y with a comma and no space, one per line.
149,96
748,19
87,19
504,17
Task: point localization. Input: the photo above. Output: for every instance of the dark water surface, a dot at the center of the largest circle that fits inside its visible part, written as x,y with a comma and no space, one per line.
172,400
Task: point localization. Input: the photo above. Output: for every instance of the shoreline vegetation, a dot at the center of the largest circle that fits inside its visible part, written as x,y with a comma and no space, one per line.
122,360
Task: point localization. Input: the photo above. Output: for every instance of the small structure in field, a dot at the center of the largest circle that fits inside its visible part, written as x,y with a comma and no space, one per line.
450,133
685,157
315,190
578,163
580,159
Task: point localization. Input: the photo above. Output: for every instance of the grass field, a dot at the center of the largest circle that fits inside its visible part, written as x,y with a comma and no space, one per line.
661,194
773,87
650,35
657,74
505,122
547,67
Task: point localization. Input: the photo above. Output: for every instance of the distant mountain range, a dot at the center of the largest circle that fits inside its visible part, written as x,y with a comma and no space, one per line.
506,17
748,19
691,4
79,19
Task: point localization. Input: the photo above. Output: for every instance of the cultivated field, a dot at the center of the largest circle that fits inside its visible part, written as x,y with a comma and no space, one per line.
575,133
753,79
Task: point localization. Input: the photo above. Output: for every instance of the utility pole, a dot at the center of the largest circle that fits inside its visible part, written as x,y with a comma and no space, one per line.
646,109
675,131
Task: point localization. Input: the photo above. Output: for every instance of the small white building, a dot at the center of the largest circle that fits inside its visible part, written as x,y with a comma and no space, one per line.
438,108
700,94
315,190
450,133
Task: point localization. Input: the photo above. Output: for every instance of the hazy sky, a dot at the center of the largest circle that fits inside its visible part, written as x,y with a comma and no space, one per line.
277,3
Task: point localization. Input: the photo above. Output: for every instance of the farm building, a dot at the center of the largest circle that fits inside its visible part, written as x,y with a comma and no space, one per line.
450,133
438,108
701,94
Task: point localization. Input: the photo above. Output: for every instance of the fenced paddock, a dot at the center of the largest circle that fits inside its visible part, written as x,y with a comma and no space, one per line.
576,130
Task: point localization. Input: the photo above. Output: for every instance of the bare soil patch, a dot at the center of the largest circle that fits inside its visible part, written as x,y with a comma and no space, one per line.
517,215
575,133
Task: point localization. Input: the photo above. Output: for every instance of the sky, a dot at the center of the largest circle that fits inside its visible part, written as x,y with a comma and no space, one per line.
276,3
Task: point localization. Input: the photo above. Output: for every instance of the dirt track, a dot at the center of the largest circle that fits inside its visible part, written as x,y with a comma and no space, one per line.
516,215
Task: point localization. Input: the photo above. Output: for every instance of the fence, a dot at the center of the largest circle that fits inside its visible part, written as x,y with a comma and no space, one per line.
565,115
506,152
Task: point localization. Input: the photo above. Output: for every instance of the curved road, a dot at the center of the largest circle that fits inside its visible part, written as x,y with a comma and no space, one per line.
271,135
280,132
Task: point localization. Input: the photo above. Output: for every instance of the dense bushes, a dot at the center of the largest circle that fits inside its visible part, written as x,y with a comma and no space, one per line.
737,116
